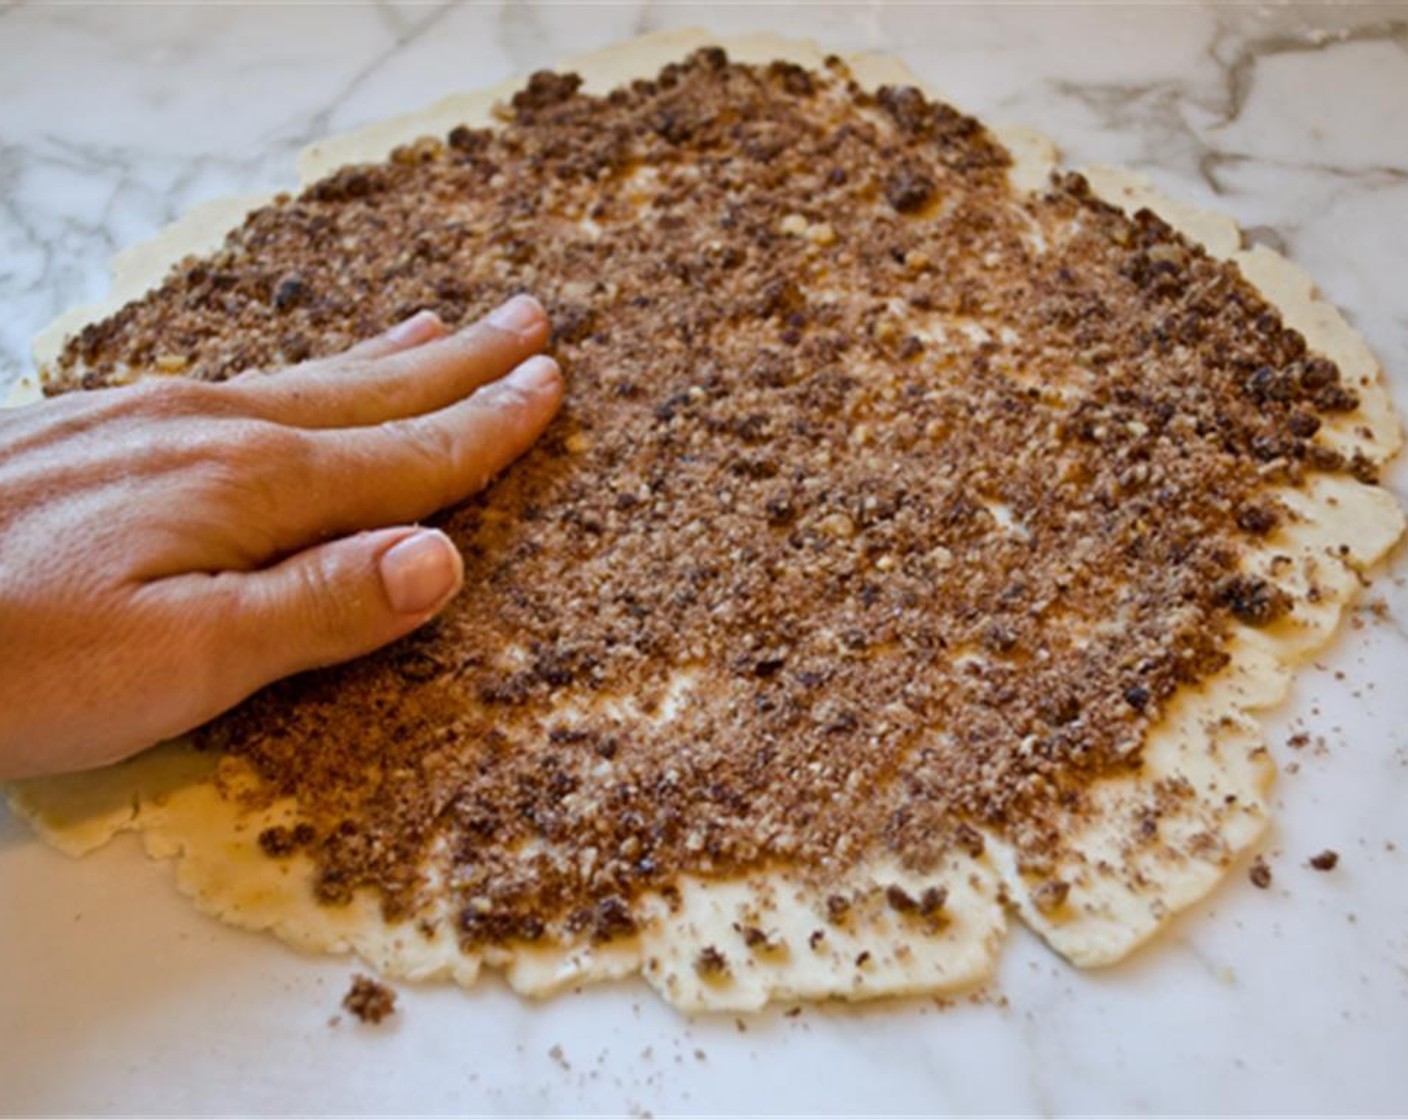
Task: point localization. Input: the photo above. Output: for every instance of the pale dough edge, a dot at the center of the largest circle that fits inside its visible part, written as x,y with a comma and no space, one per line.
1124,882
1121,892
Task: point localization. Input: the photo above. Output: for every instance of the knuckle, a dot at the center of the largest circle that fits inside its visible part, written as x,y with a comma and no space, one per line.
243,460
199,619
369,384
441,454
348,366
173,397
511,398
263,442
323,385
481,346
243,445
322,601
483,336
427,441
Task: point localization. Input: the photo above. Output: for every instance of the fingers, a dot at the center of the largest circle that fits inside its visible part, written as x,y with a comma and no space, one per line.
339,600
413,368
324,605
405,469
420,328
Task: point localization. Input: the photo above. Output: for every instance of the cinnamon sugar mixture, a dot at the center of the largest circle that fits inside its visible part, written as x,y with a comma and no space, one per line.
885,502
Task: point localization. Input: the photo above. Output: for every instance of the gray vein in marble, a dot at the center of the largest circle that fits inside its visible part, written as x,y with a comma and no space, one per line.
1213,970
1265,235
1382,177
316,125
1158,110
1153,111
1391,620
391,19
520,32
647,19
99,161
1034,1068
1240,70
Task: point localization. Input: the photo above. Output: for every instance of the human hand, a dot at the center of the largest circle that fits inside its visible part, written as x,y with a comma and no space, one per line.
169,548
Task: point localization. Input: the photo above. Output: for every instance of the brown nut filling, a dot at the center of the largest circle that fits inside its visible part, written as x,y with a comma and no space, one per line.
886,502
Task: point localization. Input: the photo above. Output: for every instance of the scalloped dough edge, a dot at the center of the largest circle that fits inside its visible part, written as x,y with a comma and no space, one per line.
1124,881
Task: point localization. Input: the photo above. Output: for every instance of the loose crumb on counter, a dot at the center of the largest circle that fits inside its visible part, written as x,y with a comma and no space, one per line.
369,1000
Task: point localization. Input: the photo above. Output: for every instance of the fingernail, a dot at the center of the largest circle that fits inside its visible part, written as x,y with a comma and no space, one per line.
420,327
538,374
518,315
420,572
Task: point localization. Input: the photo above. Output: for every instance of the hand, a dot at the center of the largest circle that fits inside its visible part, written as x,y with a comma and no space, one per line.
168,548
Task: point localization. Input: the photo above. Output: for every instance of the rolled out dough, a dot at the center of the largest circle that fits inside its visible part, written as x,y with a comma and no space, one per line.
1123,886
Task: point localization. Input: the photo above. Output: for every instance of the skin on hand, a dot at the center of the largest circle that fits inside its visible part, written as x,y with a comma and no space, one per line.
169,548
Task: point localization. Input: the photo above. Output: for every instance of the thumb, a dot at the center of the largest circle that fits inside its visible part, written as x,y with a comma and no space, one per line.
337,601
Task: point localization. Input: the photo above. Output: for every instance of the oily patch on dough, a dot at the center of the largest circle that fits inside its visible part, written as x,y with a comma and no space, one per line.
1110,887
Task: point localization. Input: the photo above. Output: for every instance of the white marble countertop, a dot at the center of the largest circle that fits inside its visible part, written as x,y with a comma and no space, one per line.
116,996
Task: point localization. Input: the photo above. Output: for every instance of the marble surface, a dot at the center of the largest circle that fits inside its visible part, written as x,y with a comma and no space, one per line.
116,996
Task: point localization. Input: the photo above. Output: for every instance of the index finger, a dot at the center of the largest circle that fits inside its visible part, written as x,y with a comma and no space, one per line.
404,470
373,384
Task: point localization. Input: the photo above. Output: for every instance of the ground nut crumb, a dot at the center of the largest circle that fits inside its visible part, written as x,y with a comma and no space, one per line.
369,1000
1259,873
